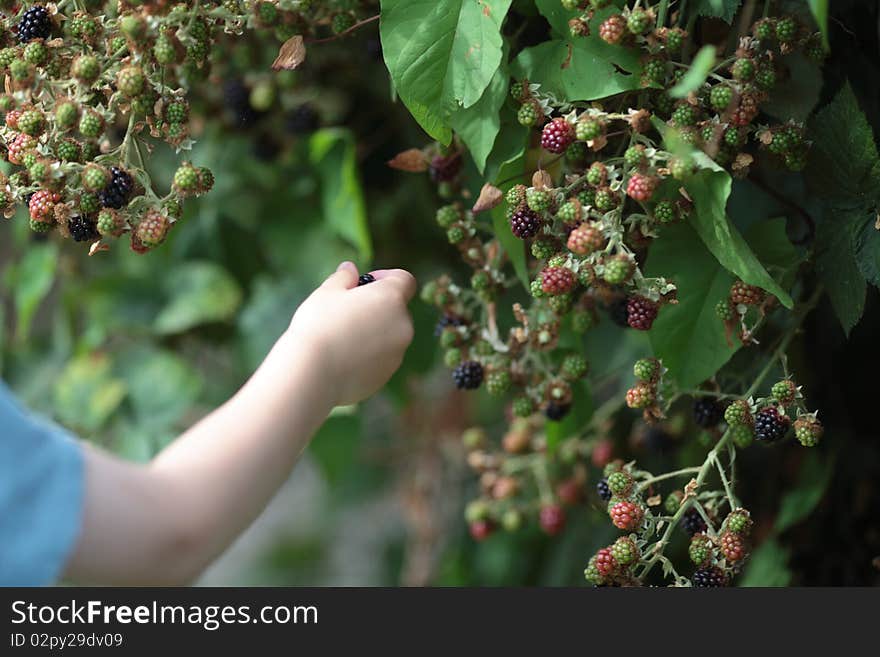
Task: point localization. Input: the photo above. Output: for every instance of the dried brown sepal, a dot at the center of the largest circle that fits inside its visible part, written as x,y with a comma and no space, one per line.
98,247
490,197
291,54
542,180
412,160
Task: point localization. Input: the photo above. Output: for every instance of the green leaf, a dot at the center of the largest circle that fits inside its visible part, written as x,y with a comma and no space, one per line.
688,336
799,502
441,54
200,293
709,189
86,394
580,70
867,244
333,152
837,267
771,245
723,9
820,13
844,161
479,125
33,278
768,566
161,386
509,146
697,73
558,17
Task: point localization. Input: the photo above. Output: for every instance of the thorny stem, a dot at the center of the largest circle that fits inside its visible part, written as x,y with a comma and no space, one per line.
711,457
728,490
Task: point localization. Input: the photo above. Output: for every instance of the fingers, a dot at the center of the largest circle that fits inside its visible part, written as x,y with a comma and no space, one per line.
345,277
399,278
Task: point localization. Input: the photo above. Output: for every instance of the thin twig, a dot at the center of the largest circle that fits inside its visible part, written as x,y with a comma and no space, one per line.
354,27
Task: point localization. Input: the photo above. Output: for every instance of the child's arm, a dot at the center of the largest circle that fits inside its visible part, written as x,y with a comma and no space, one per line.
164,522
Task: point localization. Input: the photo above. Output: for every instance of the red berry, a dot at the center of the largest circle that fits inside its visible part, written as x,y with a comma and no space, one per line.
569,491
641,187
557,135
626,515
42,206
556,280
612,29
602,453
19,146
747,295
642,395
733,546
481,529
641,313
586,239
552,519
746,112
606,564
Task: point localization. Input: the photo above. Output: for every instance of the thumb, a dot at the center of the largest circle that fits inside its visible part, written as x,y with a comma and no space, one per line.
345,276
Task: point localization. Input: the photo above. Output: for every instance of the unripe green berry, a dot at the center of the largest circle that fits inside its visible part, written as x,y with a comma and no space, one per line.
86,68
574,367
66,115
498,382
523,407
452,357
35,53
91,124
742,435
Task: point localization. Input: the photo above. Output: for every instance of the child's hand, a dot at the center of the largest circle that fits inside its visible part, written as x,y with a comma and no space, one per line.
359,333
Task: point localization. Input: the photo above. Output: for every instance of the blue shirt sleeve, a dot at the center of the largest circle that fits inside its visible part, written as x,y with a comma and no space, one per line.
41,496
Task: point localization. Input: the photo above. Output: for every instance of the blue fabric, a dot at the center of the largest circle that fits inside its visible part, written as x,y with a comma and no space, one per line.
41,496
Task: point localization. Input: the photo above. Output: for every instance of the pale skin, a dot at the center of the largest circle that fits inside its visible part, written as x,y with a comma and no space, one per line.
163,522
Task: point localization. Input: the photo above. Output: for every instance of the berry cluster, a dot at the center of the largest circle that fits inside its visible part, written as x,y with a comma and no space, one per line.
610,178
510,497
89,84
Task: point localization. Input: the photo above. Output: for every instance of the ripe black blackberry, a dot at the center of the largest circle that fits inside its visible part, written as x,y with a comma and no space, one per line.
707,412
115,195
82,229
364,279
692,522
468,375
302,120
525,223
603,490
712,577
770,425
34,24
445,322
556,412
